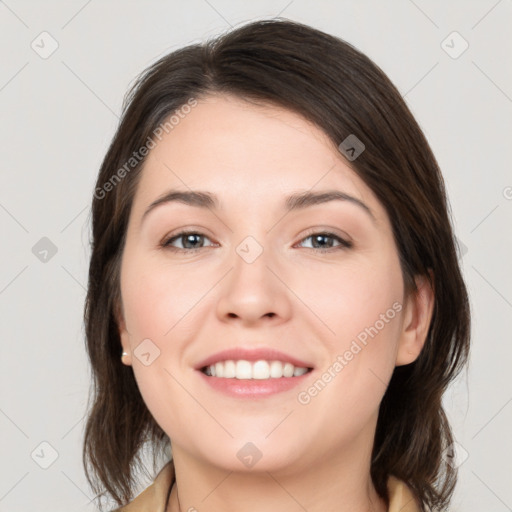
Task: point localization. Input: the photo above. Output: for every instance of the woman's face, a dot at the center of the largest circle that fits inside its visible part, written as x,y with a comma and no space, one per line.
259,276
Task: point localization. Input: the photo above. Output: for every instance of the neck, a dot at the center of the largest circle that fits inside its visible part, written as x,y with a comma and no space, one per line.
340,483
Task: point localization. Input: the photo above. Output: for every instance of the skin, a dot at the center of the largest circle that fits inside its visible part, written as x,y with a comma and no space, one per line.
297,297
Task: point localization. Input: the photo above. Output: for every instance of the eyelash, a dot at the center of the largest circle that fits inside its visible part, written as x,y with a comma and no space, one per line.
344,244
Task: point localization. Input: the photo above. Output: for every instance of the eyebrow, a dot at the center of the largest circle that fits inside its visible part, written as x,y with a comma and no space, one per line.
294,202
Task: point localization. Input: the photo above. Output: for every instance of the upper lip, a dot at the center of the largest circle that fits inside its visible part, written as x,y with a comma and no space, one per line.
251,354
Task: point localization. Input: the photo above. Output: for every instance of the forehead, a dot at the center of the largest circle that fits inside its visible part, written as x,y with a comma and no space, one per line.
247,153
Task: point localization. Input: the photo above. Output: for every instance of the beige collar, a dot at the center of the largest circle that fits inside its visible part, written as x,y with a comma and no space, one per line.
154,497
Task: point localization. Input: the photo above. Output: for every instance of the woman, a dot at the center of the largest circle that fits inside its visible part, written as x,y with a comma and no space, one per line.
273,256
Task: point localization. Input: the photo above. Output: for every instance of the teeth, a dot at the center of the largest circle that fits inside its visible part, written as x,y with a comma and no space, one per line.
297,371
243,370
254,370
257,370
229,369
288,370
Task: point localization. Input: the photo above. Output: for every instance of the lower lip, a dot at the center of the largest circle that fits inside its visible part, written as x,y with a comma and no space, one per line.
253,388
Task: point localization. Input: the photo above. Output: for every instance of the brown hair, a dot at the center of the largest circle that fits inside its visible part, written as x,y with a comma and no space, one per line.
343,92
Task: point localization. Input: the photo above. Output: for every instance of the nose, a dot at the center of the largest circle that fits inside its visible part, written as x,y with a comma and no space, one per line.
253,292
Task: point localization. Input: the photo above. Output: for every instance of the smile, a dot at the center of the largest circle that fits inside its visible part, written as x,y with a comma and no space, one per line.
248,370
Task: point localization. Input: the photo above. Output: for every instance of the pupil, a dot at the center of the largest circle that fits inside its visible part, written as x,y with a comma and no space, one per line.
320,237
190,237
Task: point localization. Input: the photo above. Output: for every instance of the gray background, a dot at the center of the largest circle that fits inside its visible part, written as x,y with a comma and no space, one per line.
58,115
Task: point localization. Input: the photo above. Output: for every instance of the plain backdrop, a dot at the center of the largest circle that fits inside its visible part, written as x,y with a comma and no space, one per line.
65,67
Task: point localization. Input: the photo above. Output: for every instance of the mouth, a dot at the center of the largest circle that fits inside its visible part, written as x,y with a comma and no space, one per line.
254,370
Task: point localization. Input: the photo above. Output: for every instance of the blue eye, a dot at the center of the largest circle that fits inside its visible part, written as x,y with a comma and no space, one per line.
190,240
321,237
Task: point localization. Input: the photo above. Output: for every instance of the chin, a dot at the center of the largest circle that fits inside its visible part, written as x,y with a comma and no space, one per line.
256,455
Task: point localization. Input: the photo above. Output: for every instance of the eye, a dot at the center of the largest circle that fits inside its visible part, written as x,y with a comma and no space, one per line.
190,240
321,239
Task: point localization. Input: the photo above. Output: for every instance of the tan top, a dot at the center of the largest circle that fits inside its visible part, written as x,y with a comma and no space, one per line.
154,498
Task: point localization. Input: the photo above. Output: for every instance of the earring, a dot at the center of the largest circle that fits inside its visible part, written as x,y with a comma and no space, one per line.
124,354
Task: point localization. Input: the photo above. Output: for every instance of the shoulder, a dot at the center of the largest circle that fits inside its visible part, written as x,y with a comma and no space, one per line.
154,497
401,496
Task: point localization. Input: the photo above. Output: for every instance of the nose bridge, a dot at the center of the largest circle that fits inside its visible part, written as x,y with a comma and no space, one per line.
251,262
252,291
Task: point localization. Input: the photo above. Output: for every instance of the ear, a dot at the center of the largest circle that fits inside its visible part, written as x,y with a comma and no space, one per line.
123,334
416,321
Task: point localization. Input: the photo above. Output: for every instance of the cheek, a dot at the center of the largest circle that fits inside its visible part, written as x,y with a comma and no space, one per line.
360,303
352,298
156,298
161,303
